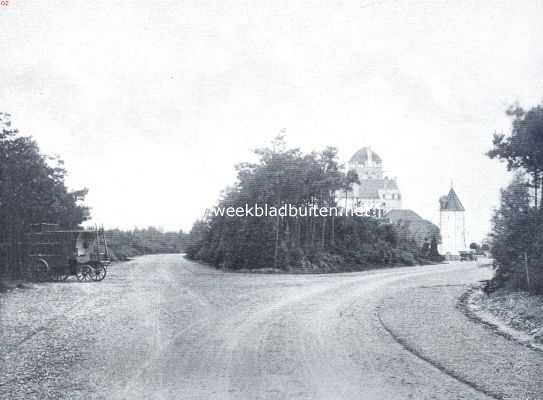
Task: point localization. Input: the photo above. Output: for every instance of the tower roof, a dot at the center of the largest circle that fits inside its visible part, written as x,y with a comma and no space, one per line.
364,154
451,202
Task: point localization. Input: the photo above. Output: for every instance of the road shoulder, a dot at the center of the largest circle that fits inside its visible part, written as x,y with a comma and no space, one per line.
514,314
428,322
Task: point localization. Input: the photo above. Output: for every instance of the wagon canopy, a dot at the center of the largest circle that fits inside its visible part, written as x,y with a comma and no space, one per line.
82,245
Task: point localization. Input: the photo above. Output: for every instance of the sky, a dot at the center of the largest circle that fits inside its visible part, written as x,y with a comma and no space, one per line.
151,104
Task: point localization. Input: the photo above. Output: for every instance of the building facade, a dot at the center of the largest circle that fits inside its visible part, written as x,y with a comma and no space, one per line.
452,224
375,191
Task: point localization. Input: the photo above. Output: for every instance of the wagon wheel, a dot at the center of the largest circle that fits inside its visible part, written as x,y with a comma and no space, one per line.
83,273
98,273
59,276
40,270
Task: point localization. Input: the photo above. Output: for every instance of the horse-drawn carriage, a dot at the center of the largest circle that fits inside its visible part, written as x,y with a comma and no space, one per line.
55,254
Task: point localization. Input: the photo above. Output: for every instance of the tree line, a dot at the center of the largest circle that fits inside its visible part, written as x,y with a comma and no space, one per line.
517,233
32,190
124,245
285,176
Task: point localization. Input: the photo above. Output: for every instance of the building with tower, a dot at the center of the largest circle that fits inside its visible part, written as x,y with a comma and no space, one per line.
452,225
375,191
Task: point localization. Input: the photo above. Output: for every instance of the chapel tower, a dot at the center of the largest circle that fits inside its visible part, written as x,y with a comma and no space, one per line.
452,224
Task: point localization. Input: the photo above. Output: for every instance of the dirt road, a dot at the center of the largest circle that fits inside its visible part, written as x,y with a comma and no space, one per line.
161,327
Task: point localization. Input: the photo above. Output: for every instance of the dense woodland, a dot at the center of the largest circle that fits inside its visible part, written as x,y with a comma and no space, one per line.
517,236
285,176
32,190
124,245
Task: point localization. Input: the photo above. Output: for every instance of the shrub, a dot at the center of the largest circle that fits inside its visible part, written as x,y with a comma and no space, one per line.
517,240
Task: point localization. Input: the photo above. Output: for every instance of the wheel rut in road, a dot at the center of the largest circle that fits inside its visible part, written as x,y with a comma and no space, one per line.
428,323
162,327
405,344
318,340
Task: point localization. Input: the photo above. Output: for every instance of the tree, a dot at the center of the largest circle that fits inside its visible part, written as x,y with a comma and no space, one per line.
350,179
286,177
434,253
474,246
517,235
32,190
517,238
126,244
425,250
523,149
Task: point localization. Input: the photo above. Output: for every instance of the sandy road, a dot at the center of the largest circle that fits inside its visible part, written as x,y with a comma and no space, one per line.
162,327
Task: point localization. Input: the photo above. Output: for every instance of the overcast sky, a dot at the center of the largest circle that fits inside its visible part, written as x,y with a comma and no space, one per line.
152,103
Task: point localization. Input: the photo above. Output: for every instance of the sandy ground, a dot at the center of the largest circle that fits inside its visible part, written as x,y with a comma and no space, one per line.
162,327
474,353
513,313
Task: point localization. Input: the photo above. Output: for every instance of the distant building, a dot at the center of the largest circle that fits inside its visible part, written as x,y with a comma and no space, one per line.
452,224
412,226
399,215
374,191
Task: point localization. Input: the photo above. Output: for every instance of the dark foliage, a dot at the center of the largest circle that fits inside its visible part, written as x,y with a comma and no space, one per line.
288,177
32,190
517,236
523,149
127,244
421,237
517,239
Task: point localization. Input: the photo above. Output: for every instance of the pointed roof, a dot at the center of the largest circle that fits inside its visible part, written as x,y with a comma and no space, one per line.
451,202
